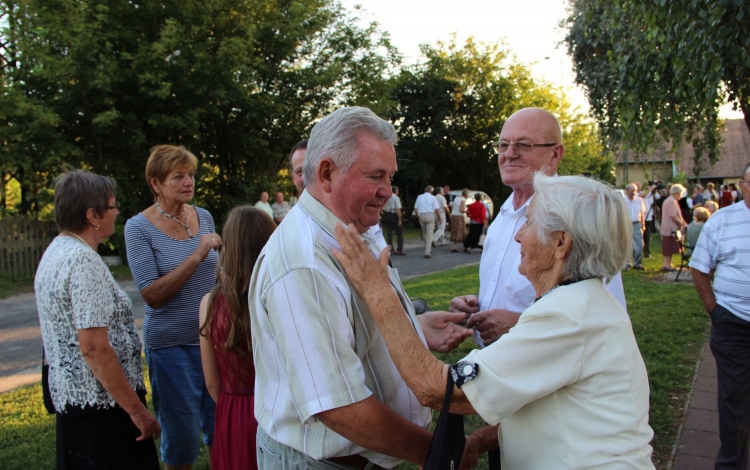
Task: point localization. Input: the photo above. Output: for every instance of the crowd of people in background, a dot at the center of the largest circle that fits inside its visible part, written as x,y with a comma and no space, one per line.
275,318
675,213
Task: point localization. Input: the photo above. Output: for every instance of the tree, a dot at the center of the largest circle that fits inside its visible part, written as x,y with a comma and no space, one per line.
659,70
97,83
454,104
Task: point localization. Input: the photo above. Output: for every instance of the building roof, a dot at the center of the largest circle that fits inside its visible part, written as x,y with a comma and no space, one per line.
733,155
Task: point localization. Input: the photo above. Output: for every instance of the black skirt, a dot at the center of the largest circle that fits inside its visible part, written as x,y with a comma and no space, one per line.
102,440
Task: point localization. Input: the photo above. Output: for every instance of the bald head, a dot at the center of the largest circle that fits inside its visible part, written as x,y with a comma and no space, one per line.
518,165
545,123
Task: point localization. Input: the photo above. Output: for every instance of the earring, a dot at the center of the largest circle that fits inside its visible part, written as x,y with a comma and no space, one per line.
97,227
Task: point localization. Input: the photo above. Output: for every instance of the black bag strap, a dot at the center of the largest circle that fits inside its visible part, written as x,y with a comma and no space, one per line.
46,395
448,440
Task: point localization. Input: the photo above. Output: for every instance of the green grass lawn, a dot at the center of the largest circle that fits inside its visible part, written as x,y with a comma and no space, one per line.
668,320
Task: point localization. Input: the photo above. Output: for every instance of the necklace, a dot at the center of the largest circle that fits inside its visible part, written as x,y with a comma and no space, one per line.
176,218
82,240
566,282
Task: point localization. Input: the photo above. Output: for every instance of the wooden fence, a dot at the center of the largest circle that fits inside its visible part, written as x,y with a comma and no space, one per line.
22,243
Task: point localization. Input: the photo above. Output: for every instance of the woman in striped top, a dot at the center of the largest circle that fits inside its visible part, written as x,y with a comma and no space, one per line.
172,252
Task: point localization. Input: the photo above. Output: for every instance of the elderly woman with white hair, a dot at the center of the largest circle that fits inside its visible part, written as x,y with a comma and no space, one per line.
671,223
568,382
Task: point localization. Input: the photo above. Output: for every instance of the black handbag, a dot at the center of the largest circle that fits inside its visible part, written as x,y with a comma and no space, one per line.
448,441
46,396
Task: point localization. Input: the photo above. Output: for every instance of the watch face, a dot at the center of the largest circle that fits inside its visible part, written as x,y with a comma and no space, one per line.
463,372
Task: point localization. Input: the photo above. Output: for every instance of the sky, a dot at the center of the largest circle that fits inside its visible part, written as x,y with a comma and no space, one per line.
530,28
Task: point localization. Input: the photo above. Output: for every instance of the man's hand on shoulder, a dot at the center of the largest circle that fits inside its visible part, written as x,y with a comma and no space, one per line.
492,324
442,331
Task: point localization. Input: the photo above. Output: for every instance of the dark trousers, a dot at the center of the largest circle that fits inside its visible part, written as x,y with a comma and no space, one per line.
730,344
390,220
647,238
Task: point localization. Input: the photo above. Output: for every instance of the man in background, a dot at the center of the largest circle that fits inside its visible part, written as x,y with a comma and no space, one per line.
637,210
442,219
427,210
280,208
264,205
723,250
392,219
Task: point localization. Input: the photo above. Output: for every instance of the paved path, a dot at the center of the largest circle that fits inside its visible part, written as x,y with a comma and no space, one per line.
699,437
21,338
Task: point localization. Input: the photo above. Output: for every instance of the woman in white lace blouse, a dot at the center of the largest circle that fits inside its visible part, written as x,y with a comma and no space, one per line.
90,339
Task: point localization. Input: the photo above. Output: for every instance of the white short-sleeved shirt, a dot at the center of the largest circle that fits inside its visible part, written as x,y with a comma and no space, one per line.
724,245
426,203
393,205
636,207
568,385
75,290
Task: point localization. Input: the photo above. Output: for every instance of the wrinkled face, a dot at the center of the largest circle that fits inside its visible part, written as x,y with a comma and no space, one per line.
298,159
536,258
359,195
178,186
517,170
630,191
279,197
264,197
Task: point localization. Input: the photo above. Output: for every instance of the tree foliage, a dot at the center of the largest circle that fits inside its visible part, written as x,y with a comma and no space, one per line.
453,105
659,70
97,83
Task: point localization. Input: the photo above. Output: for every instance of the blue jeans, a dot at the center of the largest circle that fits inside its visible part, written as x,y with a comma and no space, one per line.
637,243
183,406
273,455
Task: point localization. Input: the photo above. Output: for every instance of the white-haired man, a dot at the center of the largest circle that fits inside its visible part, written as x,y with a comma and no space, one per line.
723,250
427,209
637,210
530,141
328,393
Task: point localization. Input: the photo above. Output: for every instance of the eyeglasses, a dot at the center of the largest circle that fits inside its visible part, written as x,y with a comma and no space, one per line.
521,148
116,206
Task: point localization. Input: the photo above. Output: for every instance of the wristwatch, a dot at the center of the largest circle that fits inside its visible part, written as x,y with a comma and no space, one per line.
463,371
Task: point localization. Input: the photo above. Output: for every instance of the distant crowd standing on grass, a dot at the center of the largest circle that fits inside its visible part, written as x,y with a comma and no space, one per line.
311,316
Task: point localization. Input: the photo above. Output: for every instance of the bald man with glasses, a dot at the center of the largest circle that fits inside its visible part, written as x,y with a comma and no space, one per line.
530,141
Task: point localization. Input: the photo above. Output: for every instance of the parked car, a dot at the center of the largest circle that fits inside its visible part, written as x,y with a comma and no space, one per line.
470,200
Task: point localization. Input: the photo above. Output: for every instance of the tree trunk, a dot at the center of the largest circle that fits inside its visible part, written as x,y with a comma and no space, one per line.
745,107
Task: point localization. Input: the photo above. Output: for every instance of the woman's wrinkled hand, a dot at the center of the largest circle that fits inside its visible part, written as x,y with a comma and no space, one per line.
146,424
207,242
367,275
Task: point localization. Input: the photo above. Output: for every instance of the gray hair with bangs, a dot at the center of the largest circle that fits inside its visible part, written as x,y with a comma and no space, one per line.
594,215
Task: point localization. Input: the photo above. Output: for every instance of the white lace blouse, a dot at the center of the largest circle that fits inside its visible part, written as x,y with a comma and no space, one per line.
75,290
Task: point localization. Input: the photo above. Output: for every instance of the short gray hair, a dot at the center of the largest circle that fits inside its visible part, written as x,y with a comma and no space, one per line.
78,191
595,216
336,136
677,188
428,188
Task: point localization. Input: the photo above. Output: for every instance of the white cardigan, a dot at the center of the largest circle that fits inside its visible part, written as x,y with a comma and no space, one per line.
568,385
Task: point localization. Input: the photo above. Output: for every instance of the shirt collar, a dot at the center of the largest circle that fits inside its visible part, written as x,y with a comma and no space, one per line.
327,220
